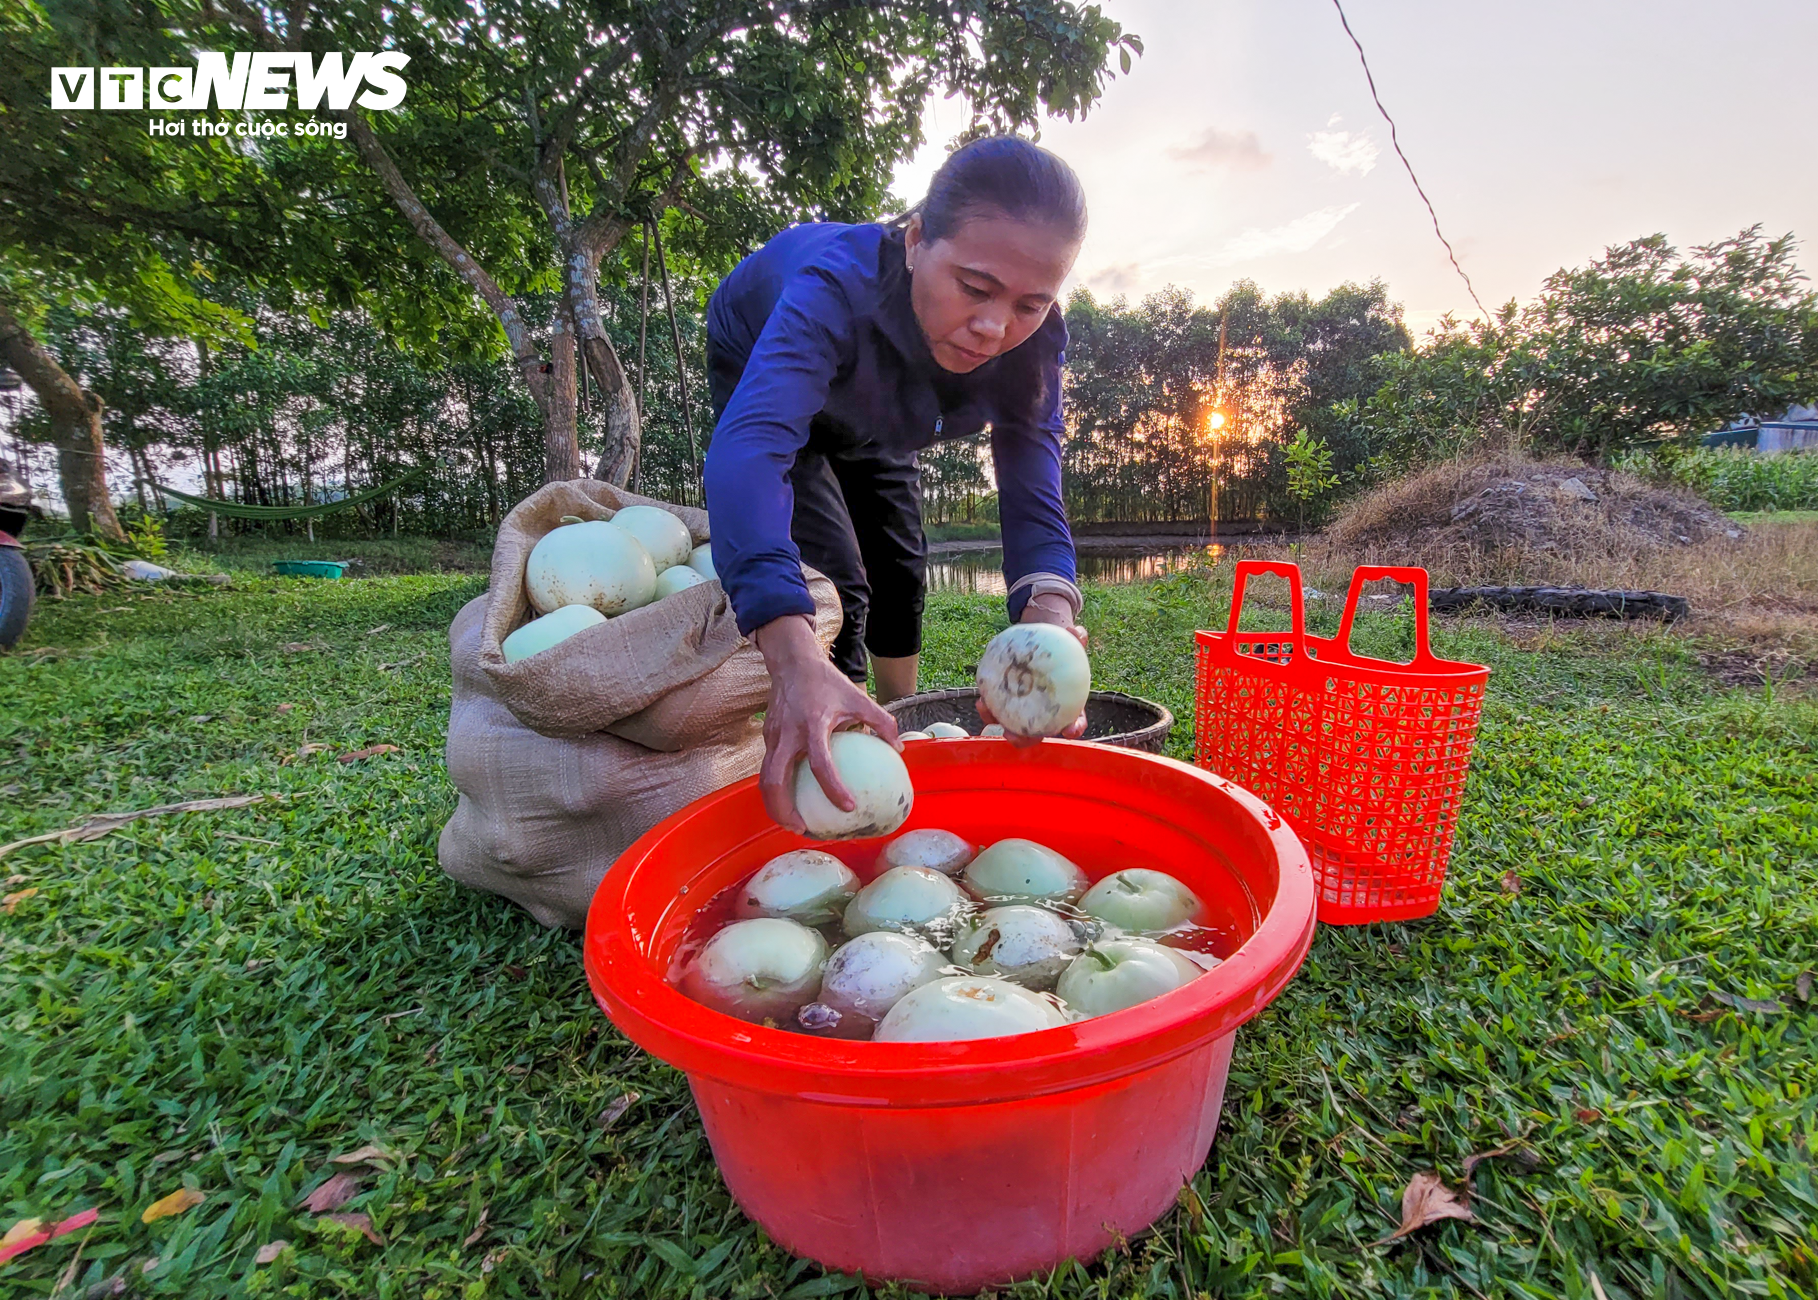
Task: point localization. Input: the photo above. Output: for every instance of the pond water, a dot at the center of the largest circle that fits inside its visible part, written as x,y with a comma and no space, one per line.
981,571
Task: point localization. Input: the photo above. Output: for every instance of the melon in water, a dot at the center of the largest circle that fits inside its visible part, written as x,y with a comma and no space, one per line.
700,559
676,578
965,1007
869,975
804,885
1034,678
1121,972
551,629
1026,945
904,898
757,970
938,850
1022,871
1140,899
589,563
873,772
659,532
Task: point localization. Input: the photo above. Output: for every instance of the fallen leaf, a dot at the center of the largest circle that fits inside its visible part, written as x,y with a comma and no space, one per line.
150,1263
20,1231
286,708
374,631
360,1223
1511,883
11,901
106,823
313,747
296,647
115,1285
364,1155
516,972
370,751
1190,1201
270,1251
333,1194
203,717
616,1108
1517,1148
479,1227
1585,1115
385,668
1803,986
184,1198
1597,1288
16,880
1765,1005
1428,1200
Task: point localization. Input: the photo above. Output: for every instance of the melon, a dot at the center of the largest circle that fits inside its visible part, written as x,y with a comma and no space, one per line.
938,850
804,885
551,629
757,970
660,533
967,1007
700,559
677,578
1034,679
1121,972
905,898
1022,871
873,772
589,563
1140,899
1026,945
869,975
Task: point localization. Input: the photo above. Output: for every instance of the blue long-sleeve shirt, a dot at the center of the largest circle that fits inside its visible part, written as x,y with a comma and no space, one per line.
822,320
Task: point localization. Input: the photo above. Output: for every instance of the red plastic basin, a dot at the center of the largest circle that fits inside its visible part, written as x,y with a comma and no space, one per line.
957,1166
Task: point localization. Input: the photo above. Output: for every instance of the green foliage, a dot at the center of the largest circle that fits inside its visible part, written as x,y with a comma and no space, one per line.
1731,479
1610,992
1310,474
1640,345
1143,383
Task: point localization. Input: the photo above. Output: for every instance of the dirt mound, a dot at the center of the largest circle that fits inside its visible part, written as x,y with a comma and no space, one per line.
1506,501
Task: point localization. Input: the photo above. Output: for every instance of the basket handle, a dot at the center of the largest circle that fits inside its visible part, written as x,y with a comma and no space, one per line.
1246,569
1408,576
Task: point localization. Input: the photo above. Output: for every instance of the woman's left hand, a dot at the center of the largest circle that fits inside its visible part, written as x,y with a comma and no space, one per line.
1046,608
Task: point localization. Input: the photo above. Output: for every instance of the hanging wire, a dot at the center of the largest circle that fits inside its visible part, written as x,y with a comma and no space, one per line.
1404,160
681,365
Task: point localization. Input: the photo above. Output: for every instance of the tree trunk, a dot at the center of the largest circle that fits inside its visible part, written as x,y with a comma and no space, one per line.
75,415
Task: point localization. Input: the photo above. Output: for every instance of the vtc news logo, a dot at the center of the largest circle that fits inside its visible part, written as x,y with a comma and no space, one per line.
262,81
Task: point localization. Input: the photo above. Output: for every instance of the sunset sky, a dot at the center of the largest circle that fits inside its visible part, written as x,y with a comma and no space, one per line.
1244,144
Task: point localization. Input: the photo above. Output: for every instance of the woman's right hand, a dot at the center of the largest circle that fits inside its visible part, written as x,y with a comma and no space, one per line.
810,699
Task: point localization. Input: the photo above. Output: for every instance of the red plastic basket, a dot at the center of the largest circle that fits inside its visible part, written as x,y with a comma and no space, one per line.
1366,758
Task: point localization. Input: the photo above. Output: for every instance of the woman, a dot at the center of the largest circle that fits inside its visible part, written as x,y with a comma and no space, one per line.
835,354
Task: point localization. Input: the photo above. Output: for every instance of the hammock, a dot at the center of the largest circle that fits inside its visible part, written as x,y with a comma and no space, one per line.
272,514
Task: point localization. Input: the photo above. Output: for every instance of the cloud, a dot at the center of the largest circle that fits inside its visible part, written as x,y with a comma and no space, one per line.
1239,150
1121,278
1343,151
1296,236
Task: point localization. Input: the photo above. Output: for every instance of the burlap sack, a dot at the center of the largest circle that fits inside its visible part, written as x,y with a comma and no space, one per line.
564,758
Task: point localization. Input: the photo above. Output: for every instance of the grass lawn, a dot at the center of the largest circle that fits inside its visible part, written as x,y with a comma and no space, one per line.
1615,995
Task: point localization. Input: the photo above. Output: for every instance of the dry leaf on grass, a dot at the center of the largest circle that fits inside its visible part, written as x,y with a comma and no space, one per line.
615,1110
385,668
374,631
371,751
184,1198
1427,1200
479,1227
1585,1115
286,708
296,647
1803,986
270,1251
1511,883
333,1194
367,1154
1517,1148
358,1222
11,902
106,823
1597,1288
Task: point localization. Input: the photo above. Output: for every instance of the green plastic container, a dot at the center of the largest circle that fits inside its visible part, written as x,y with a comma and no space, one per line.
309,568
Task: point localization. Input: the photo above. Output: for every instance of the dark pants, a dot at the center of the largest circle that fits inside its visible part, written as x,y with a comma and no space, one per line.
858,519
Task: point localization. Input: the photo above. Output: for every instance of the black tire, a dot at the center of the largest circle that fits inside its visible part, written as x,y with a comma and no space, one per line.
16,592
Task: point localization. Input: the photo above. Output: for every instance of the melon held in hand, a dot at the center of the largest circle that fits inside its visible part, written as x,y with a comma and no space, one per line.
873,772
1034,679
